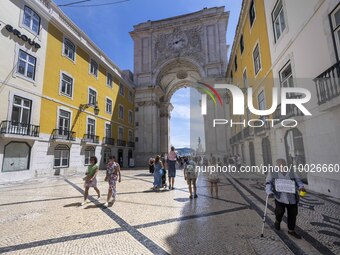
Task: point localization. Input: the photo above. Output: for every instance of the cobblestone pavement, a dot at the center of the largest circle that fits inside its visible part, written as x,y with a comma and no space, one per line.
44,216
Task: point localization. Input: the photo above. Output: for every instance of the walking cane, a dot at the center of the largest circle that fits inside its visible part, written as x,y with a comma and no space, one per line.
264,216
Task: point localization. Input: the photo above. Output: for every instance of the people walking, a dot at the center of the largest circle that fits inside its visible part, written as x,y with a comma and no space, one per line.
157,174
112,176
90,178
286,195
172,157
213,178
190,175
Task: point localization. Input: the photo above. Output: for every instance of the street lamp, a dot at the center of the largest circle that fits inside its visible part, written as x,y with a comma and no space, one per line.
83,107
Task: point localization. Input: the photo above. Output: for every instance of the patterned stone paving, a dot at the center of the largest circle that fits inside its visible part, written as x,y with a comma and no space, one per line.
44,216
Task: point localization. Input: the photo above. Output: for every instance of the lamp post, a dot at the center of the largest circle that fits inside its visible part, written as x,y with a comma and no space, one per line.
83,107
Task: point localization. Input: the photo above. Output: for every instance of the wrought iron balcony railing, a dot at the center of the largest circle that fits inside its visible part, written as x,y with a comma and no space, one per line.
108,141
328,84
121,142
261,129
248,132
63,134
131,144
291,111
90,138
18,128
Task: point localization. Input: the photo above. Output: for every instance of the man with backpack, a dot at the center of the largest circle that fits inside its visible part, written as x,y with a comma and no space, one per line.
190,175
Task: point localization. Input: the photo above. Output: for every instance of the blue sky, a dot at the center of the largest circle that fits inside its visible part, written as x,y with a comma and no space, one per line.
109,27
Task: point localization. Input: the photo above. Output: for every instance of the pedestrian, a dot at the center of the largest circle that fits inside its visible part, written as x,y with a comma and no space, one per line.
112,176
151,165
90,178
238,161
213,178
190,175
284,199
164,185
172,156
157,174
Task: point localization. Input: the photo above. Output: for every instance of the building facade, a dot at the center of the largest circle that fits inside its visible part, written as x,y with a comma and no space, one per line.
303,46
250,67
23,41
85,104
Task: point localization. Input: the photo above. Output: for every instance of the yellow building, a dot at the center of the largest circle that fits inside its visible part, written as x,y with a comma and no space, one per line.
250,66
87,104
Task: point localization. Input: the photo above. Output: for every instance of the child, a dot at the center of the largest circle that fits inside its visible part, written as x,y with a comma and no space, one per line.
190,175
157,174
90,179
214,179
112,175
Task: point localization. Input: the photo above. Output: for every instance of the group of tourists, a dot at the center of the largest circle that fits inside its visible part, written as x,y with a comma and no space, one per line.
112,176
159,166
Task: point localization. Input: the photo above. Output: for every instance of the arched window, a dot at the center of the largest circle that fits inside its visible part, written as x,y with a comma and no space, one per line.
61,156
89,152
16,157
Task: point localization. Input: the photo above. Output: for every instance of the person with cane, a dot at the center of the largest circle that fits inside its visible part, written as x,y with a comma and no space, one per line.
284,185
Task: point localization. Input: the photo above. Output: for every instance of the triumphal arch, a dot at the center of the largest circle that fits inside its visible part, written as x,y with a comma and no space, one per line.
170,54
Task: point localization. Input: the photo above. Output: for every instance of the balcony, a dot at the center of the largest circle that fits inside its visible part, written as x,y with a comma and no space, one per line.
261,129
248,132
328,84
291,111
131,144
63,135
121,143
236,138
90,138
18,128
108,141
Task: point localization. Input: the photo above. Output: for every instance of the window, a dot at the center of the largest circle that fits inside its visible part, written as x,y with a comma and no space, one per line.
252,14
94,68
121,112
130,96
109,80
31,20
130,138
92,97
89,152
130,117
335,17
121,89
16,157
120,133
286,76
108,132
108,105
257,59
107,155
66,85
261,102
64,122
245,79
69,49
91,126
61,156
241,44
26,65
235,63
21,111
278,20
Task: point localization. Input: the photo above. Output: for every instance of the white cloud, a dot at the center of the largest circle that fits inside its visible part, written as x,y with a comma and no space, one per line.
181,112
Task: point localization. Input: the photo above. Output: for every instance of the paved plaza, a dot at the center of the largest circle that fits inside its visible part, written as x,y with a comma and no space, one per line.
44,216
